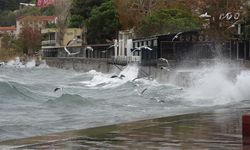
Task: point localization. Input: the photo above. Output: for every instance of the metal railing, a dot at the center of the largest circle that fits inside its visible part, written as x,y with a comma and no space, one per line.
123,60
49,42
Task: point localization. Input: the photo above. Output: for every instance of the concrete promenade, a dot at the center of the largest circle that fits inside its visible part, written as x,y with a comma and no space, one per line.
218,129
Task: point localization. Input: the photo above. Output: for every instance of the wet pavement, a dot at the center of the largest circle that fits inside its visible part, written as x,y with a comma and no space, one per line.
219,130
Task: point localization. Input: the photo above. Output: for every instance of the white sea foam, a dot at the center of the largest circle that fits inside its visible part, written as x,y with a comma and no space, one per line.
30,64
43,65
15,63
105,80
218,85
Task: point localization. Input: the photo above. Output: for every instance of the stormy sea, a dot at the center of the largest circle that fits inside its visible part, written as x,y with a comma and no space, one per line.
41,100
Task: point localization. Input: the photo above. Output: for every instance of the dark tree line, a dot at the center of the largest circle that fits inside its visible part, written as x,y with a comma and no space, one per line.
11,5
10,10
99,16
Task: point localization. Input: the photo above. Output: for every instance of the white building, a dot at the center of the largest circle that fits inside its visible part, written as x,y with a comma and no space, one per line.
123,47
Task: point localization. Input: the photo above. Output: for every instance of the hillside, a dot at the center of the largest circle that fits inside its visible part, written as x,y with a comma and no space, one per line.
11,5
10,10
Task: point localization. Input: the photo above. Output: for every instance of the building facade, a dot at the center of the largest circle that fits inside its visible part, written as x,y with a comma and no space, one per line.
51,37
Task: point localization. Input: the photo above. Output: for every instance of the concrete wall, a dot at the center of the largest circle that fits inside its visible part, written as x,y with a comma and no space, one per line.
81,64
105,66
174,76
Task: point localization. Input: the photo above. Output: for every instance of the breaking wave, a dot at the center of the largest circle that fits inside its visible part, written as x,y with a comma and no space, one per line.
106,81
218,85
68,101
94,99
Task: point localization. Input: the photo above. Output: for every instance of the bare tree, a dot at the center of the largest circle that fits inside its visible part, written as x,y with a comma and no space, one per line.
131,11
30,39
62,11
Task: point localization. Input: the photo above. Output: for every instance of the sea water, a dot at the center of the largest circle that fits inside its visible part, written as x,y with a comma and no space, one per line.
29,105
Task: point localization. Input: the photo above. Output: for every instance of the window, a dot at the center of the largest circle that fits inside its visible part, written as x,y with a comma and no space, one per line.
142,43
125,51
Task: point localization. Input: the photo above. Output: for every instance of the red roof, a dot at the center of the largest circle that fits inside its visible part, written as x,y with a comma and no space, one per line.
43,18
7,28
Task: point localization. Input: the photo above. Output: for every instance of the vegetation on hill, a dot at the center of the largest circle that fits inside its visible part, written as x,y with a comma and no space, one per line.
103,24
168,21
11,5
11,9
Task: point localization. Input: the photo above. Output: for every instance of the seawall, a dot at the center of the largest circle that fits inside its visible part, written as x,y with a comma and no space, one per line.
180,76
105,66
81,64
100,65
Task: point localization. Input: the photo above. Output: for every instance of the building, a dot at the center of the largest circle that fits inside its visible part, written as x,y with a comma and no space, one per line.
35,22
184,48
51,37
44,3
73,40
7,30
122,48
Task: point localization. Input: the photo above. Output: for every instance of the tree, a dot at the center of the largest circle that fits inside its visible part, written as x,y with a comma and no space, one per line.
30,39
48,11
11,5
81,10
225,15
8,18
76,21
84,8
103,23
6,40
167,21
62,11
131,11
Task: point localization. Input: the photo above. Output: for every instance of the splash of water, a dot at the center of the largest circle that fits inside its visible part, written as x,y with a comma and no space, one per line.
218,85
30,64
105,80
17,63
